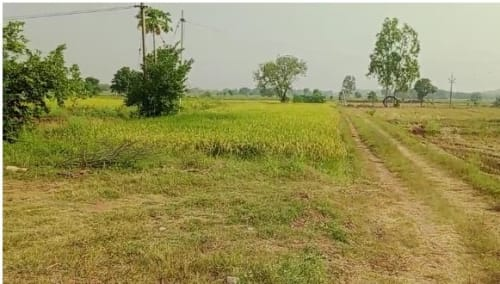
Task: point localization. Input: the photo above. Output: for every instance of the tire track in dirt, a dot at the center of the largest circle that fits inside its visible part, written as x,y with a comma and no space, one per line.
439,254
454,190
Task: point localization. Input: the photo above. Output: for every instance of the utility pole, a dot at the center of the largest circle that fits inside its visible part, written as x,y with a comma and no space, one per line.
143,31
182,30
182,42
452,81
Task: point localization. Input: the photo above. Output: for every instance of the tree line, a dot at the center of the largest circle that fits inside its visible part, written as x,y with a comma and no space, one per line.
156,89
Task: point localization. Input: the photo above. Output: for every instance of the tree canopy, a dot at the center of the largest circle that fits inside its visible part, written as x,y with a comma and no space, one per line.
29,79
156,22
159,91
92,85
348,87
394,60
423,87
279,75
122,80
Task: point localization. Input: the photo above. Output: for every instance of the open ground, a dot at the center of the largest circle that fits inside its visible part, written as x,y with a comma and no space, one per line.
258,190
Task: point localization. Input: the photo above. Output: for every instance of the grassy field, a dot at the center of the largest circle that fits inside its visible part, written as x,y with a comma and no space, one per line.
258,190
224,188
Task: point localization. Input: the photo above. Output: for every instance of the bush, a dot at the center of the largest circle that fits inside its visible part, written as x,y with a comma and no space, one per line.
30,79
158,93
309,99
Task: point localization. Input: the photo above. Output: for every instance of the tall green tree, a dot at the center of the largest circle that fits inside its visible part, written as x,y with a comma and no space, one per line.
157,21
122,80
29,79
159,92
348,88
423,87
394,60
279,75
92,85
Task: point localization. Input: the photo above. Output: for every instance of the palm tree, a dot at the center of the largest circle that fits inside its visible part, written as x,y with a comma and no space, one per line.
157,21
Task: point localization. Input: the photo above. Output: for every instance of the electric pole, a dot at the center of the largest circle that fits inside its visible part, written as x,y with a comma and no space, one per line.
143,31
452,81
182,30
182,42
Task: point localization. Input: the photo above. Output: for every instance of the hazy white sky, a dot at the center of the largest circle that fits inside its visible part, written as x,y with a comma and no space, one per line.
228,41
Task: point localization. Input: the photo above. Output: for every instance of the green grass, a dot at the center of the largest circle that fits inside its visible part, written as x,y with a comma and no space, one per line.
243,129
225,188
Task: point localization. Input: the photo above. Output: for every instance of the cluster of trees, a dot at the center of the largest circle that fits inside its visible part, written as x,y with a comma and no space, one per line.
29,79
393,62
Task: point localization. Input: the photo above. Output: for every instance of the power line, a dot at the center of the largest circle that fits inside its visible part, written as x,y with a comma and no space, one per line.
38,16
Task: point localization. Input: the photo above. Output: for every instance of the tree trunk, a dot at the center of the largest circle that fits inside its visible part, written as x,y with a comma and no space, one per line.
154,48
283,97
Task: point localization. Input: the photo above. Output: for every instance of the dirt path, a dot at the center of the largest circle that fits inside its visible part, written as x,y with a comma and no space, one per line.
425,249
454,190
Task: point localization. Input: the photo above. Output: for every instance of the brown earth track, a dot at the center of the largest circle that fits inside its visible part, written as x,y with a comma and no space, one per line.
437,254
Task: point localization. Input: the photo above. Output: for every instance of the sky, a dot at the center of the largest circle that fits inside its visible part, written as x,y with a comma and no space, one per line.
228,41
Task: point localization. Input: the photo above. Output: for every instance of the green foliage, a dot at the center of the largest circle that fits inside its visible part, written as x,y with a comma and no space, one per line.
348,87
159,91
92,85
357,95
308,99
423,87
372,97
279,75
156,22
122,80
245,91
316,97
394,60
29,79
475,98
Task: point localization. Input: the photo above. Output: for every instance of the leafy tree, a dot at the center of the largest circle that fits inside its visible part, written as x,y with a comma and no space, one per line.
372,96
280,74
317,92
306,91
160,90
92,85
475,98
394,61
156,22
357,95
348,87
244,91
29,79
423,87
122,80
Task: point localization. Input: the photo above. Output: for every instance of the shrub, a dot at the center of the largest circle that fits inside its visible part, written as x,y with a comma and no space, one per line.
317,98
158,92
28,83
